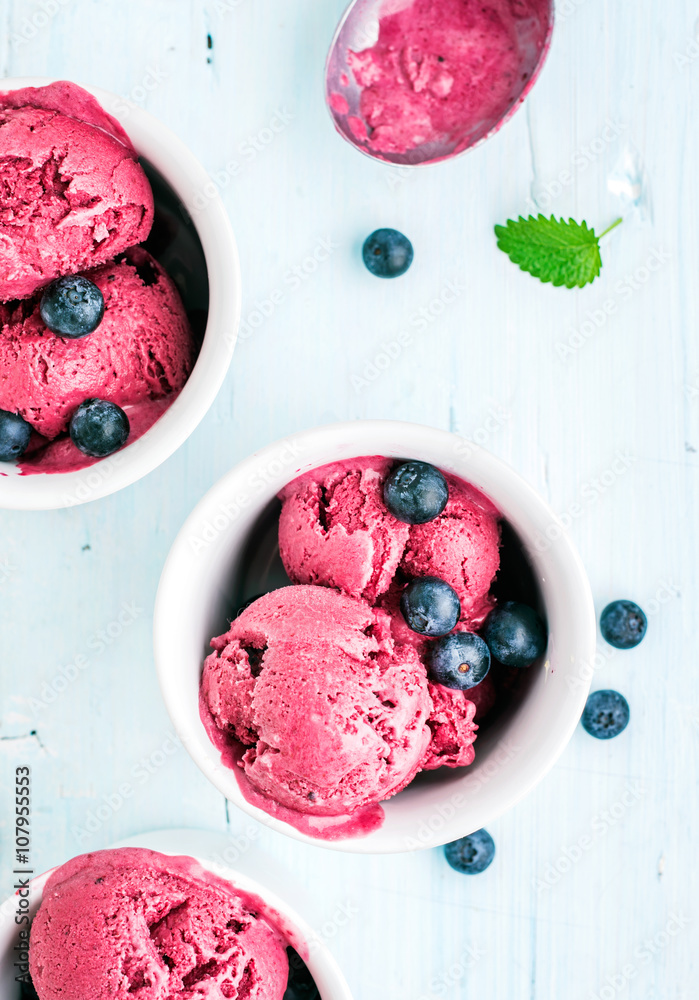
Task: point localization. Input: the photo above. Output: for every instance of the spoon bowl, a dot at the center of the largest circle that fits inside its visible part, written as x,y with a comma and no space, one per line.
359,31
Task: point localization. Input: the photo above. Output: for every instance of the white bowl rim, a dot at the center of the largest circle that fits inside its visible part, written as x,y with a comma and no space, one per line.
483,470
322,964
187,177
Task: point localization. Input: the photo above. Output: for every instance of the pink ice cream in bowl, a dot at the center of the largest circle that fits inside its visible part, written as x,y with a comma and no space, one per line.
135,922
412,82
97,191
310,687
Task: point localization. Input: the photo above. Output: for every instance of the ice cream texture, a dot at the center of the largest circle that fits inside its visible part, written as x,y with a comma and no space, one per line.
461,547
141,352
444,71
335,530
452,727
319,693
72,193
132,924
333,712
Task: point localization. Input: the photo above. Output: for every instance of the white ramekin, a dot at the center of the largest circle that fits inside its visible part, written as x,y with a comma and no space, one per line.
325,971
197,193
512,756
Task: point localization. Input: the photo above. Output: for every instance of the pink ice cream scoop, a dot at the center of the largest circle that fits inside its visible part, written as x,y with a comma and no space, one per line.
142,350
72,193
335,529
443,73
453,729
484,696
334,713
461,547
131,924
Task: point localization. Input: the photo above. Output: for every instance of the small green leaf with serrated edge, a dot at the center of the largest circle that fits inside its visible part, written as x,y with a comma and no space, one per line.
553,250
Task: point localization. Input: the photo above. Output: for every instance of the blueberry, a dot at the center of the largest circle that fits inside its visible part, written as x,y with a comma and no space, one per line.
72,307
14,436
471,855
387,253
606,715
623,624
301,984
459,661
430,606
515,634
99,428
416,493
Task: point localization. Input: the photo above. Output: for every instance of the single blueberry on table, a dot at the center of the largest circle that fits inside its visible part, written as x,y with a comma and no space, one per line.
471,855
623,624
459,661
430,606
72,307
415,492
515,634
606,715
99,428
14,436
387,253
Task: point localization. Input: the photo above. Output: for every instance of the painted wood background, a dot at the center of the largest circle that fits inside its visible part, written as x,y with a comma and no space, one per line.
592,395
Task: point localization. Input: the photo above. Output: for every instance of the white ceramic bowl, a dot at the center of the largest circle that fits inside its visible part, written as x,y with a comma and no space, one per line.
323,967
192,186
512,755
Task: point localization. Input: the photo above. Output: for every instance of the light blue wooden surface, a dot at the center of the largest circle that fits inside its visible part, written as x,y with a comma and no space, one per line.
615,111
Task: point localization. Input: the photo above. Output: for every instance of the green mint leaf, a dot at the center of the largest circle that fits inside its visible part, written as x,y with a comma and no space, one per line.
553,250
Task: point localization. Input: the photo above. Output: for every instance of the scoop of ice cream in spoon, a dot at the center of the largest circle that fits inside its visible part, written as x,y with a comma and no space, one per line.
418,81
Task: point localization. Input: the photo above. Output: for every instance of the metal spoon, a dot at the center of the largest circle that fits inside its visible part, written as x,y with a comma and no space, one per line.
359,30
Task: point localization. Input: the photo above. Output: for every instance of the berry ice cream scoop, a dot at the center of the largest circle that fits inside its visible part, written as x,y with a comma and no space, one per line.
73,194
461,547
453,729
333,712
141,351
131,924
416,81
335,529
